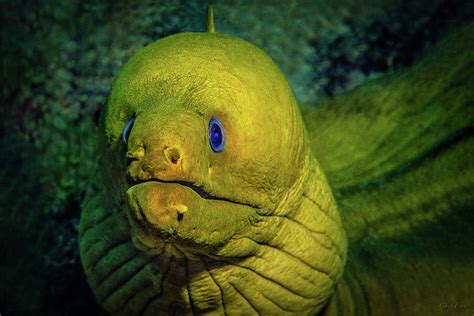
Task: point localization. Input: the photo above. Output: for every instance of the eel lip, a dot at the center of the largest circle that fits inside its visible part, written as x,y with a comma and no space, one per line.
196,188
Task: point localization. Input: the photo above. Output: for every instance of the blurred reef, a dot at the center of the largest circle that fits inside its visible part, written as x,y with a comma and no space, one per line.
59,59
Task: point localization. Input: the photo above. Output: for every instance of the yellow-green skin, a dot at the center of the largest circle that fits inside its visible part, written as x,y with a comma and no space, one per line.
266,236
268,241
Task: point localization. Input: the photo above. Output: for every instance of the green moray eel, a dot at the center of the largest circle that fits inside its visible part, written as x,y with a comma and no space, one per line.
181,227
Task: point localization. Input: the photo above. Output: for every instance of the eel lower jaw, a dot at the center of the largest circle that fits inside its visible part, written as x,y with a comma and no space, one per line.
147,241
155,231
159,246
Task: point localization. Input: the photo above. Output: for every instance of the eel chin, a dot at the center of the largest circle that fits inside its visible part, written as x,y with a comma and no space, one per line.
179,215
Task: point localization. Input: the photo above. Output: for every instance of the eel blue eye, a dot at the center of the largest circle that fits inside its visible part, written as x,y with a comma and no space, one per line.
216,135
127,129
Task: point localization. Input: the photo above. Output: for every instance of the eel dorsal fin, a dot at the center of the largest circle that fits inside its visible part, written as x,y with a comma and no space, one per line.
211,27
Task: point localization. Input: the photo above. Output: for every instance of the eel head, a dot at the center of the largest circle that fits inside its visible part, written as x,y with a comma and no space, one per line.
205,154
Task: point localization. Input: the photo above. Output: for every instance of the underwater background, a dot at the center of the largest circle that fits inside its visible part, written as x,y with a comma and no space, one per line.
60,57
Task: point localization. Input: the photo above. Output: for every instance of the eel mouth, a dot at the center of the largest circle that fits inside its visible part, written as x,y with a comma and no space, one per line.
182,214
199,189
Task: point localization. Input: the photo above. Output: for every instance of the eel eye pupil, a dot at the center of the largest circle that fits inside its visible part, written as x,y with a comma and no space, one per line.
216,135
127,129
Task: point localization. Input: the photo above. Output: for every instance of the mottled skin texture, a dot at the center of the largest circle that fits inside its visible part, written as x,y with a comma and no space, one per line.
178,228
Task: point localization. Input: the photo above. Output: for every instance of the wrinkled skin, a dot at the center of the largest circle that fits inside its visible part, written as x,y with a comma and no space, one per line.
252,229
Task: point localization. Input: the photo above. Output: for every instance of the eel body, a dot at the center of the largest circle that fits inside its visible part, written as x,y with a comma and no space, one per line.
178,227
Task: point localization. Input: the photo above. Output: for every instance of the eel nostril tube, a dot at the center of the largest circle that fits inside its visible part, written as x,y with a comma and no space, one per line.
135,153
172,154
180,209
